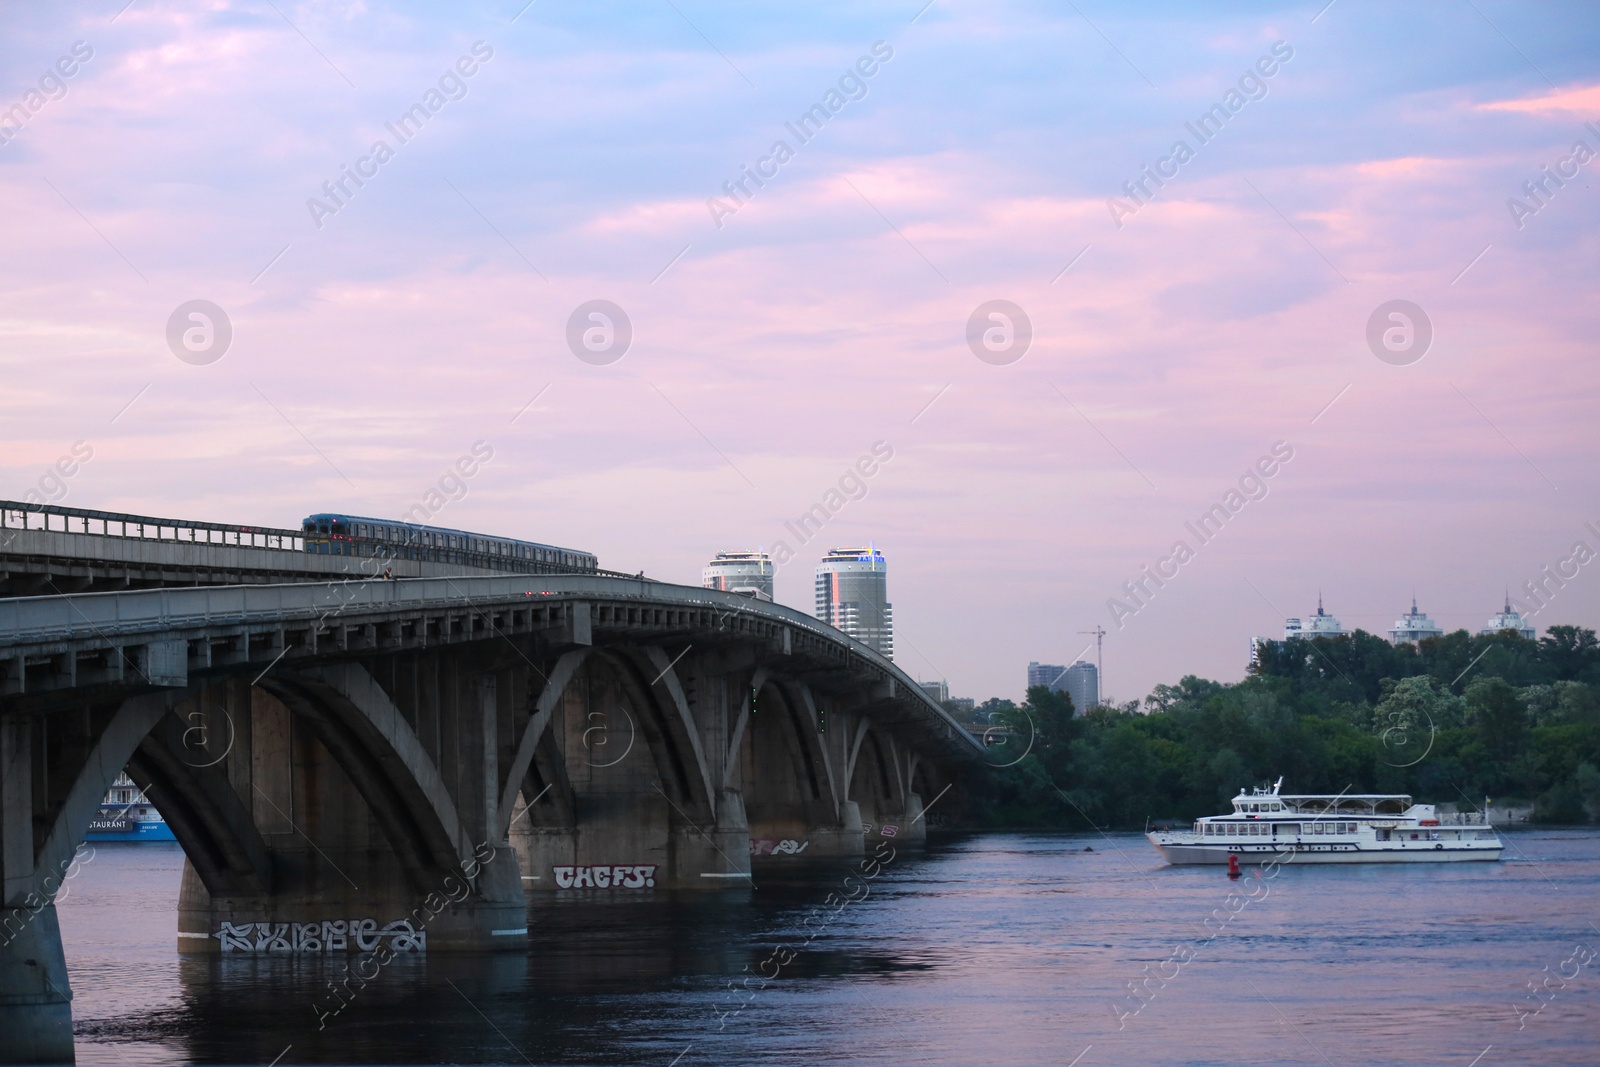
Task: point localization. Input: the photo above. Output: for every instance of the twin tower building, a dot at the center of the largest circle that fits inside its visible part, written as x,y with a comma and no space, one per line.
852,589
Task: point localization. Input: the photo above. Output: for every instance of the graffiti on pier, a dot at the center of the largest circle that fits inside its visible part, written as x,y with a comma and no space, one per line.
330,935
766,846
888,830
640,876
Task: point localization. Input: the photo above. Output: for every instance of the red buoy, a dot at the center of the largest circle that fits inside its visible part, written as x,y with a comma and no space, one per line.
1233,865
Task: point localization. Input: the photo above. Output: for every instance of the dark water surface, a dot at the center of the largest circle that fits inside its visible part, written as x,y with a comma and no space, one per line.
988,949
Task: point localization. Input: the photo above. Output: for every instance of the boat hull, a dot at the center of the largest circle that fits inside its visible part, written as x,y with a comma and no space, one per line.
1181,853
112,825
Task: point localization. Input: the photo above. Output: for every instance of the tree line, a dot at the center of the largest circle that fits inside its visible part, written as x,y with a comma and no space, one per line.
1452,719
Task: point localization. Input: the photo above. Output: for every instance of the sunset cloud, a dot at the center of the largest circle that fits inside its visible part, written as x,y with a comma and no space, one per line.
830,311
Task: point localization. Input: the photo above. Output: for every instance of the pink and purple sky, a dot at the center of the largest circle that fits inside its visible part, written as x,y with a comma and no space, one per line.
775,343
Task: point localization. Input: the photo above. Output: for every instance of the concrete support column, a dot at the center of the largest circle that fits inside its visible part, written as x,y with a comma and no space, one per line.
914,827
35,999
710,856
838,838
16,809
488,788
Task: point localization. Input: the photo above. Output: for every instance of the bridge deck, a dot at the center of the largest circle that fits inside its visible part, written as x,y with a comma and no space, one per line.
159,637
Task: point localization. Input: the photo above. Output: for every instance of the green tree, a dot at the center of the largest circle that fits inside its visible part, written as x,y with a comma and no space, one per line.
1572,653
1500,718
1409,717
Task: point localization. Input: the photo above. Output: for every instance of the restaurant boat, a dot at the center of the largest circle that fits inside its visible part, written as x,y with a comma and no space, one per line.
1267,825
126,814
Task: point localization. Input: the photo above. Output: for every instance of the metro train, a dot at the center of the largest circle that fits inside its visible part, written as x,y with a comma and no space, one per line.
355,535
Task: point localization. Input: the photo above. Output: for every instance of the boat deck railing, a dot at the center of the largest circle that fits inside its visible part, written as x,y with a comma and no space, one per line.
1462,818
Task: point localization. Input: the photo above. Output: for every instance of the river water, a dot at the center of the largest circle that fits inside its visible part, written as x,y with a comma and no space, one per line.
984,949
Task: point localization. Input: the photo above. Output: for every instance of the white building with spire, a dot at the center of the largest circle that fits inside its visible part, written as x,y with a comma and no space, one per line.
1319,625
1507,619
1414,627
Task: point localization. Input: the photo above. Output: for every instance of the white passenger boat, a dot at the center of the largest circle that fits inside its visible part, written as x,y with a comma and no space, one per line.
1266,825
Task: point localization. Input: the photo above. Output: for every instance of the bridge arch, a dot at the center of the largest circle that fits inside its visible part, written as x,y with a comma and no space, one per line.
875,787
783,772
378,751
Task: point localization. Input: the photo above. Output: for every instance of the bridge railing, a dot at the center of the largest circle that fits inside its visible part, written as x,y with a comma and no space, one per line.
16,515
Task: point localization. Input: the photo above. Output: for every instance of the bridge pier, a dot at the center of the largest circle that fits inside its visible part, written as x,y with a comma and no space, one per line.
35,998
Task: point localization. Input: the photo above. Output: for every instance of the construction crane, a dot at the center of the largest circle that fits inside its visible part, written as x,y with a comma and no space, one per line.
1099,658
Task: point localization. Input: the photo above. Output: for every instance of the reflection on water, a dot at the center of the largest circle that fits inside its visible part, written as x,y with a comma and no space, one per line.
985,949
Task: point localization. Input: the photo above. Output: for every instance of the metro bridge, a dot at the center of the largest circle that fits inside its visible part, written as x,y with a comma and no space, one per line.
398,766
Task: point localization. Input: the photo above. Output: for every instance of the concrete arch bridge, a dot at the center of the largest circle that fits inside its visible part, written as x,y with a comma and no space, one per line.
394,766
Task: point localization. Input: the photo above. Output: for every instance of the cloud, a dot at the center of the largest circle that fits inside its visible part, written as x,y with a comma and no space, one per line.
1583,101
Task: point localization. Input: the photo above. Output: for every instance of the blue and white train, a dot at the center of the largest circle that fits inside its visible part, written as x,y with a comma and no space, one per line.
355,535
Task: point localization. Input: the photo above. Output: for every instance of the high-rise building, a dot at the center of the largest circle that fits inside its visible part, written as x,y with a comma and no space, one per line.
939,692
1082,683
853,595
1509,620
740,572
1319,625
1414,627
1045,674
